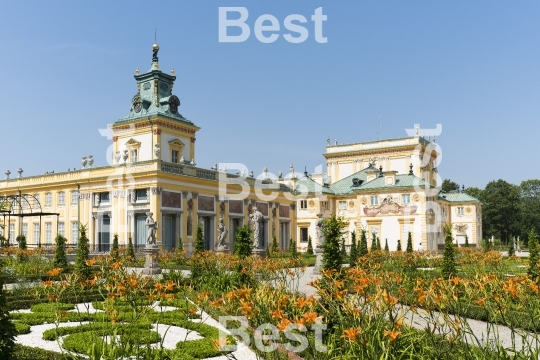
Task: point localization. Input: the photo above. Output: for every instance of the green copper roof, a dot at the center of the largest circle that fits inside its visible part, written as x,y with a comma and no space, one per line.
344,186
306,185
456,196
401,181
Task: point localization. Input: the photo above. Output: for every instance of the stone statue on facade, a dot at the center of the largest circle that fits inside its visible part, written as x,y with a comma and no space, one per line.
152,227
256,218
222,234
320,232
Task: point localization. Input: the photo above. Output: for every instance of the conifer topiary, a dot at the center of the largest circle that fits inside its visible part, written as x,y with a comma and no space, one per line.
466,241
114,249
199,241
293,250
243,245
309,250
534,256
449,263
275,246
379,243
21,239
409,243
60,259
342,248
333,233
83,252
180,244
130,252
373,246
386,248
353,254
511,249
362,248
398,248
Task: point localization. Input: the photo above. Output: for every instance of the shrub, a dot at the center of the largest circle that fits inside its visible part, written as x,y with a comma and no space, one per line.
81,266
409,243
180,244
343,249
130,251
379,243
373,246
7,329
243,246
333,232
199,242
449,264
60,260
466,241
533,256
386,248
21,239
353,254
275,247
114,248
511,249
309,250
398,248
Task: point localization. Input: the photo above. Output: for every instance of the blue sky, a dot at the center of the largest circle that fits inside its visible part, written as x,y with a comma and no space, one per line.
473,66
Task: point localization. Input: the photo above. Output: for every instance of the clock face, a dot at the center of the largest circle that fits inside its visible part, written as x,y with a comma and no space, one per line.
137,104
174,103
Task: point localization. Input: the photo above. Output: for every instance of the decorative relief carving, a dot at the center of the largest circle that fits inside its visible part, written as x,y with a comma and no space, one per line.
157,131
146,85
389,206
156,190
236,206
119,193
190,204
416,197
205,203
171,199
311,203
461,228
351,204
364,200
468,210
262,207
85,196
284,211
222,206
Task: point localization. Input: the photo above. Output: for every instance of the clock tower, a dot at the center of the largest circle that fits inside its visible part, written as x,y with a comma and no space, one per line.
154,128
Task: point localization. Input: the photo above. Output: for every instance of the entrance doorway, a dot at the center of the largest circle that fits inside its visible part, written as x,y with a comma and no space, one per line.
206,223
284,235
140,231
169,232
104,234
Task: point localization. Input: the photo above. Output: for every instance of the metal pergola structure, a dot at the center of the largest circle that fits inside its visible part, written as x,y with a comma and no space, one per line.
19,206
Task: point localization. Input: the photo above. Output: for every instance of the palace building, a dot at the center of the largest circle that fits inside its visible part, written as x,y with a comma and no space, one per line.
386,187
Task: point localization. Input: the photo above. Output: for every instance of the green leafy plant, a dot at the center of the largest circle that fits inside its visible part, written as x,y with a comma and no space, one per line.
373,246
21,239
398,247
466,241
386,248
362,248
7,329
130,252
243,246
60,259
275,247
293,251
180,244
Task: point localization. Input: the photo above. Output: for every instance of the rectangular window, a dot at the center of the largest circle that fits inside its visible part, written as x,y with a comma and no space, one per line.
406,198
48,199
304,235
61,229
374,200
11,233
174,156
104,197
24,201
303,204
36,200
342,205
324,205
36,234
74,232
74,197
133,155
61,198
25,230
141,195
48,233
460,211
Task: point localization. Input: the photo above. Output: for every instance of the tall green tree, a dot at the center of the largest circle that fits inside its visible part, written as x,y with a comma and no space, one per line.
362,247
180,244
353,254
373,246
409,243
333,233
379,243
534,256
293,250
529,193
386,248
511,248
199,241
60,259
449,263
449,185
243,245
398,248
21,255
83,253
275,246
501,210
130,251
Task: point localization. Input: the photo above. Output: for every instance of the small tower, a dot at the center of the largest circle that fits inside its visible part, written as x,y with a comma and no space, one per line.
154,120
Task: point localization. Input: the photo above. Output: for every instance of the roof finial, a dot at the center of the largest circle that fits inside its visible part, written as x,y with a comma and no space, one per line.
410,169
380,171
305,171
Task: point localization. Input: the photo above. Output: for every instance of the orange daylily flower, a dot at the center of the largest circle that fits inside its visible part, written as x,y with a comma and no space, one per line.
54,272
90,262
393,335
48,283
283,324
310,317
351,333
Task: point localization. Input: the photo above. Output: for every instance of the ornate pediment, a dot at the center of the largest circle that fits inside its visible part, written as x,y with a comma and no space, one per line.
390,206
461,228
133,143
176,143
